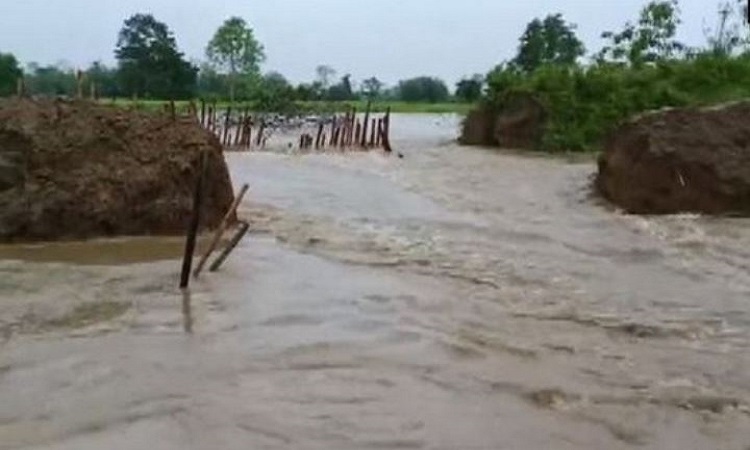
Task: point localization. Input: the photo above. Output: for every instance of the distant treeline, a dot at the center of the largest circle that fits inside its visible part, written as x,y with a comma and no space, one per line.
641,67
150,66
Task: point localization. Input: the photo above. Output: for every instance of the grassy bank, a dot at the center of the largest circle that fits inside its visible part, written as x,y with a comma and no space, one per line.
321,107
584,104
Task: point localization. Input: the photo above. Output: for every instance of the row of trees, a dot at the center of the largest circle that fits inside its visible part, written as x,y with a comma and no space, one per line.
150,65
641,67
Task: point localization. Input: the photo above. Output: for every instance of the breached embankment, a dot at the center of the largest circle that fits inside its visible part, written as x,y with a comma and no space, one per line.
71,170
680,160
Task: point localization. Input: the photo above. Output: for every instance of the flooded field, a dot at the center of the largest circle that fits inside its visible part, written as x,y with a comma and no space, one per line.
458,298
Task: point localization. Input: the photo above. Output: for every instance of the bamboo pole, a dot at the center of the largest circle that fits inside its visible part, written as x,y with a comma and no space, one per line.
363,141
249,133
232,245
379,137
333,131
358,132
373,132
203,113
387,131
318,136
259,140
220,231
353,118
343,130
225,141
195,218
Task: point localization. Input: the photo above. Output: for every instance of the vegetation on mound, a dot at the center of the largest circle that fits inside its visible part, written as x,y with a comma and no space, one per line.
642,68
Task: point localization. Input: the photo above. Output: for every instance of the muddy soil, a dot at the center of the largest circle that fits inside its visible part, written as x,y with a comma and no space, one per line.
79,170
680,160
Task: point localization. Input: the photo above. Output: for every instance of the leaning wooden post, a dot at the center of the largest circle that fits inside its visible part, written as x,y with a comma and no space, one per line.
317,138
363,141
203,113
220,231
173,110
195,219
225,131
333,131
343,130
232,245
358,132
353,119
387,131
250,124
260,133
379,136
373,132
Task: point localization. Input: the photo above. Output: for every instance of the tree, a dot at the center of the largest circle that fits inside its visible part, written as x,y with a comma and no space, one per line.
423,89
274,93
548,41
235,50
650,40
306,92
149,62
211,84
104,79
728,36
342,91
10,72
51,80
470,89
325,75
371,88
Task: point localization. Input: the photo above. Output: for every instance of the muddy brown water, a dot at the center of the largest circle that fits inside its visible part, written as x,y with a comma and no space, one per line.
454,299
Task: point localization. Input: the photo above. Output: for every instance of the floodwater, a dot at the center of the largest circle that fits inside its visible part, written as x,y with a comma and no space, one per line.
457,298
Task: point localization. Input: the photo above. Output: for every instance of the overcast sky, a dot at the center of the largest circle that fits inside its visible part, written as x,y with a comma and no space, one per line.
390,39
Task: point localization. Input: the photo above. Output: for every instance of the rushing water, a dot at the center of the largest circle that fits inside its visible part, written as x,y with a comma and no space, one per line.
457,298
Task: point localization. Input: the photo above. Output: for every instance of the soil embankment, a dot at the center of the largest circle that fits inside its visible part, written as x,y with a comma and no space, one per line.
79,170
519,124
680,160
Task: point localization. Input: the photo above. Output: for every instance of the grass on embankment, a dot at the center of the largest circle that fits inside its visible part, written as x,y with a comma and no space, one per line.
584,104
322,107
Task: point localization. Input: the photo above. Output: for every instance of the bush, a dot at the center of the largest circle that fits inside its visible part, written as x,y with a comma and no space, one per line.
585,103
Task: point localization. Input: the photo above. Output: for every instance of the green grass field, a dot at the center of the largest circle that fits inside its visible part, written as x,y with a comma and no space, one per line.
317,107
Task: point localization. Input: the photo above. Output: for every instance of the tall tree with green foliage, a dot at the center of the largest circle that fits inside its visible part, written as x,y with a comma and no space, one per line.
341,91
470,89
325,74
371,88
649,40
730,33
10,72
150,64
235,50
423,89
548,41
104,79
51,81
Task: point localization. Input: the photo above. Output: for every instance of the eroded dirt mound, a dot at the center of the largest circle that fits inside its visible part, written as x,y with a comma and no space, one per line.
78,169
681,160
517,125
